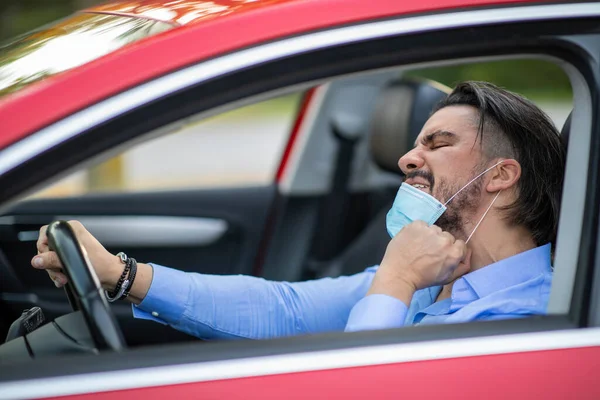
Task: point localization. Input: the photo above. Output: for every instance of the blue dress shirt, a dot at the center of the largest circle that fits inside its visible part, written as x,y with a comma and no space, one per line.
217,307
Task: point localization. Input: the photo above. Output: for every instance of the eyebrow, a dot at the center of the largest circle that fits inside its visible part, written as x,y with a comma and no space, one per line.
434,135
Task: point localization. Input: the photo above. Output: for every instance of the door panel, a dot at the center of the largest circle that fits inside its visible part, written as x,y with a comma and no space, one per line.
526,375
208,231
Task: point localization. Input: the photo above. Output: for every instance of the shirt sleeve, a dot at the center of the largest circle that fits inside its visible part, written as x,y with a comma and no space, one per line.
377,311
238,306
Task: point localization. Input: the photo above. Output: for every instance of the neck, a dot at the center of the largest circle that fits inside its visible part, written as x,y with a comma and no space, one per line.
494,241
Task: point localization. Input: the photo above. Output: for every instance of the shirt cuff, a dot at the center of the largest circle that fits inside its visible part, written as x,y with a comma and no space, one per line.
167,297
377,311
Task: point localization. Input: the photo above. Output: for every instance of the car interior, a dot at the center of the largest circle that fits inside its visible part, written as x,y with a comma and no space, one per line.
323,219
324,252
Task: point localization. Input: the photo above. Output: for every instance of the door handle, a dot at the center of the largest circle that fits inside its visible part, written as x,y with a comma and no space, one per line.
146,231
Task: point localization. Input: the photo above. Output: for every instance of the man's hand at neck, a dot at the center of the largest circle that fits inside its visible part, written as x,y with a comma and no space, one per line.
420,256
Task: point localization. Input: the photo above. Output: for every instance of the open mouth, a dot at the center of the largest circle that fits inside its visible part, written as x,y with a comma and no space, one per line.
421,187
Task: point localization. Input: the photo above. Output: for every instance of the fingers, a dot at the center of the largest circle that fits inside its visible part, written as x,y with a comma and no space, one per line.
57,277
448,236
47,260
457,252
458,261
464,266
436,229
467,259
42,242
443,233
462,248
76,225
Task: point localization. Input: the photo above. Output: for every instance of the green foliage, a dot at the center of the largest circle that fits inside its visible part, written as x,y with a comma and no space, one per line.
33,18
536,79
26,15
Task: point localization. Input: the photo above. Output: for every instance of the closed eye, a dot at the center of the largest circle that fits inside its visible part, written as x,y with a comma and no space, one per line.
438,139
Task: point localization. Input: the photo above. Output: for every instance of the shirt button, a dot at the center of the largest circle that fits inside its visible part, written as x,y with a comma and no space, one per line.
154,314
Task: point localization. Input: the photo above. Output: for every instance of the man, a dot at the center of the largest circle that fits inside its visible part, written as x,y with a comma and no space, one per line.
487,169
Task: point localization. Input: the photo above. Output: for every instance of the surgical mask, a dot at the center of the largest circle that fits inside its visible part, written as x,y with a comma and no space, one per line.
412,204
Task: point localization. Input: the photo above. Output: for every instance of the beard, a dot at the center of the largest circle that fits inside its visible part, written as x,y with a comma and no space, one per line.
461,209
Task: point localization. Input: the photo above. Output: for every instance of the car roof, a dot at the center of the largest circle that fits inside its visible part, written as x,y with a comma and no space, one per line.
26,111
183,12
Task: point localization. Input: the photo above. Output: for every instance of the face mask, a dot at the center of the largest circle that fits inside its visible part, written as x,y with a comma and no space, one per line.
412,204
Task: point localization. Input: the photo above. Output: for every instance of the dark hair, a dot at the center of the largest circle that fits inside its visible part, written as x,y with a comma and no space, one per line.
516,128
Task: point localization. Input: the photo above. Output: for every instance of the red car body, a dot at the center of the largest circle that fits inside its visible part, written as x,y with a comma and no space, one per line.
553,364
244,24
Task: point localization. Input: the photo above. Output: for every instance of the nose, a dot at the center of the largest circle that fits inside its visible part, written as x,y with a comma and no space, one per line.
411,161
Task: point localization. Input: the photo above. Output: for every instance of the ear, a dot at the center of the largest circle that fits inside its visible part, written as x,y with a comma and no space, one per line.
504,176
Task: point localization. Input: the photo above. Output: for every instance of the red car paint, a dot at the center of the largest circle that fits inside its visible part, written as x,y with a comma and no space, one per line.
63,94
528,375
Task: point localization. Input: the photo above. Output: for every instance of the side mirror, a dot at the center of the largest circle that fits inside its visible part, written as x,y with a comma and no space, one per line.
401,111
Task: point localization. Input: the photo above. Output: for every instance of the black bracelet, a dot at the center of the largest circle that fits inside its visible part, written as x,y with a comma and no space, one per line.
131,277
124,260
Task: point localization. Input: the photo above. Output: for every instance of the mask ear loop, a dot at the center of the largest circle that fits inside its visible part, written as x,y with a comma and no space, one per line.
482,217
471,181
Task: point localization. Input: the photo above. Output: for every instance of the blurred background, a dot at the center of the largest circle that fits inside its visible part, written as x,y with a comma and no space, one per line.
20,16
243,147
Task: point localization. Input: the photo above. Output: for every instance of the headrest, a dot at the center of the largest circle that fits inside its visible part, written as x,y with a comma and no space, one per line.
399,114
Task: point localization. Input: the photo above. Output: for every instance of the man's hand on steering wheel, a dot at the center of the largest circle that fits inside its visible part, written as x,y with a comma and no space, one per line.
106,265
59,241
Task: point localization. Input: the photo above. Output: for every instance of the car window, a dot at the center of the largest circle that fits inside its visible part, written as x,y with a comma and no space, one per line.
67,44
237,148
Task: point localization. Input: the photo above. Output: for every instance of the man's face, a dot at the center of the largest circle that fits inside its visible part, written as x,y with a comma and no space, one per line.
446,157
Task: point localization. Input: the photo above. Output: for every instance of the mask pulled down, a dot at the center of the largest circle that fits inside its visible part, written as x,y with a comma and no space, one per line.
412,204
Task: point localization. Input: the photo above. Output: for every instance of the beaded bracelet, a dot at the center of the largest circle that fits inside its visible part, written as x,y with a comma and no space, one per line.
125,281
130,278
125,260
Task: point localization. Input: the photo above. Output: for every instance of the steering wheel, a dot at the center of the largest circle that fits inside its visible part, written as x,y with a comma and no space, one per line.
84,290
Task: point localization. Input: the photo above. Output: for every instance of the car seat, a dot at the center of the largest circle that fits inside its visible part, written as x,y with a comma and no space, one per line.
401,111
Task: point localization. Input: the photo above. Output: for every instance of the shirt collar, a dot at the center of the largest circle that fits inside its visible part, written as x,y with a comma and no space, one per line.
500,275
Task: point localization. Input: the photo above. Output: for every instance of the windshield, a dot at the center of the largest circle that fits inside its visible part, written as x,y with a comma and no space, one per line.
67,44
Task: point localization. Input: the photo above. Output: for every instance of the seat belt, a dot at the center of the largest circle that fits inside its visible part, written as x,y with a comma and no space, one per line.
328,239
